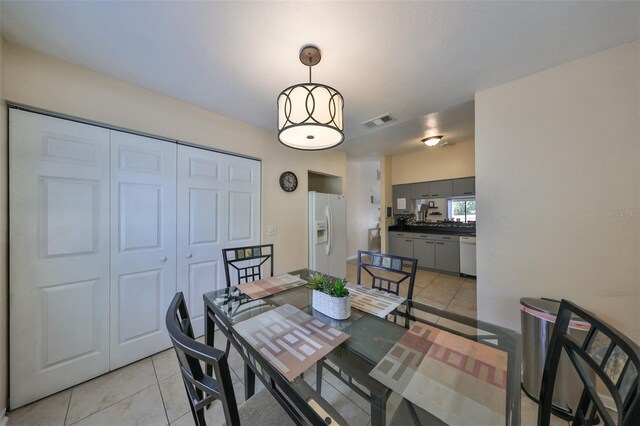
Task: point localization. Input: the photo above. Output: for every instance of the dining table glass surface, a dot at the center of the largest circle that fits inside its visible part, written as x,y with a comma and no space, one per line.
416,365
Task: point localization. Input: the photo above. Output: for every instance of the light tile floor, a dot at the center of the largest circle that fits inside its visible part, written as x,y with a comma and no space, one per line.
150,391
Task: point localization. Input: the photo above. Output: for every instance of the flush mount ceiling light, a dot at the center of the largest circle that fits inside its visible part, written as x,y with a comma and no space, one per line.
432,140
310,114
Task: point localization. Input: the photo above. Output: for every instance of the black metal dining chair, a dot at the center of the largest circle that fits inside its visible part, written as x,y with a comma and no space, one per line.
247,263
387,272
202,389
605,353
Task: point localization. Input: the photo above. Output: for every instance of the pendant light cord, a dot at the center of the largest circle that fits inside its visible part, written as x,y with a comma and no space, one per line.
310,70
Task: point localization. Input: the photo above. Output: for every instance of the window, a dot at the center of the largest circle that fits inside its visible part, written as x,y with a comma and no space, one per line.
463,209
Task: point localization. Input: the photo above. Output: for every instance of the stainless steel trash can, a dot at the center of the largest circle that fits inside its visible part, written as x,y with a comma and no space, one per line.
538,317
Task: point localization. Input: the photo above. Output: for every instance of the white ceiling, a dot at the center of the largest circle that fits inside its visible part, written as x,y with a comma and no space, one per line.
408,59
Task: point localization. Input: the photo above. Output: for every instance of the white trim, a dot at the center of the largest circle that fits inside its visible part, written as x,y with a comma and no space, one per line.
3,418
352,257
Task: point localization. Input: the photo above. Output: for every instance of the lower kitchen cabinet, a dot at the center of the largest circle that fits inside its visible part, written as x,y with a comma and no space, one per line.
447,256
433,251
401,246
425,252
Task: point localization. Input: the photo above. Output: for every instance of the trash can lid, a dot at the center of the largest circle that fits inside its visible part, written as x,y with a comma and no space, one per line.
548,309
542,305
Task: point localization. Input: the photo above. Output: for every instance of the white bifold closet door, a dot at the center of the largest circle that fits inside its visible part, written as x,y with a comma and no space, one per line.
59,254
143,245
105,227
218,207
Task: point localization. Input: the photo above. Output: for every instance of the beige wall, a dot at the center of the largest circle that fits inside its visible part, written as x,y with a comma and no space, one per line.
386,200
361,214
558,189
446,162
4,258
40,81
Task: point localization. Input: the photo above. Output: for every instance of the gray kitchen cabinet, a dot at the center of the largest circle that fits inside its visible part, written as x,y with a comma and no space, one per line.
464,187
440,189
400,245
402,191
447,256
420,190
425,251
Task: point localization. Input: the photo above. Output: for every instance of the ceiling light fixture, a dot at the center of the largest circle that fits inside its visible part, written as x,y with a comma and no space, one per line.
310,114
432,140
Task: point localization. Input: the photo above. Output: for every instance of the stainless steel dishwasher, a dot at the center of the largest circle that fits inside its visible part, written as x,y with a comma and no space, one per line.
468,256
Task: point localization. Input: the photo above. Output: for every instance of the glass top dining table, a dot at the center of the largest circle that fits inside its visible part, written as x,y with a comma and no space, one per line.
416,365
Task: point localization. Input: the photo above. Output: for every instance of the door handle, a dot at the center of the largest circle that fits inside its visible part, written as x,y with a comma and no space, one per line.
188,256
163,259
440,243
434,195
327,212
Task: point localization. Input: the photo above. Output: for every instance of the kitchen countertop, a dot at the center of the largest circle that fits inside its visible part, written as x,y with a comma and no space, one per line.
450,229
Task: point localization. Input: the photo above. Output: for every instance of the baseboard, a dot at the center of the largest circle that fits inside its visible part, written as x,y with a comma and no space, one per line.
355,256
4,419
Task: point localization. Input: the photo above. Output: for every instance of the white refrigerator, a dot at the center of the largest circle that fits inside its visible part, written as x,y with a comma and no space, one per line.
327,234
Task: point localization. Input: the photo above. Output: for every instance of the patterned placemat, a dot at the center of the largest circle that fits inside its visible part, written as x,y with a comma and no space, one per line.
272,285
455,379
376,302
291,340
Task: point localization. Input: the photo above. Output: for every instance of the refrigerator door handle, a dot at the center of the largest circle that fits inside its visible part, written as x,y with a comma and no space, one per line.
327,213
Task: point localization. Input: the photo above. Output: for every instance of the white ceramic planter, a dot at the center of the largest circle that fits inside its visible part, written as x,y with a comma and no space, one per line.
334,307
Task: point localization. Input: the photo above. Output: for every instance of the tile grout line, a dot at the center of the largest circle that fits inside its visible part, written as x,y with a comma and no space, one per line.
164,406
66,414
327,383
110,405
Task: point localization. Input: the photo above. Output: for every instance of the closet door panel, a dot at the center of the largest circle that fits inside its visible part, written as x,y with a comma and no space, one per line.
243,202
59,254
201,215
143,244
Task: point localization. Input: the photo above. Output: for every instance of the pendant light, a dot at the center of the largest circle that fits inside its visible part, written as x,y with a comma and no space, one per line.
310,114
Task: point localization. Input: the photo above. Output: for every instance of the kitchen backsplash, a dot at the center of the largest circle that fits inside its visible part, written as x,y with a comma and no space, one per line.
441,206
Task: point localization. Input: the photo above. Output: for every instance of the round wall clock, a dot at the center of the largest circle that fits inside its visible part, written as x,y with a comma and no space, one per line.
288,181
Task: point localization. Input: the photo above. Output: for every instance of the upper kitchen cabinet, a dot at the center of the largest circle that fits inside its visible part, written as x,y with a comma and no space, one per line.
402,193
440,189
464,187
420,190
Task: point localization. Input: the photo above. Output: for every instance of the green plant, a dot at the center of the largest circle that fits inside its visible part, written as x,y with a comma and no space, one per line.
340,288
335,288
317,281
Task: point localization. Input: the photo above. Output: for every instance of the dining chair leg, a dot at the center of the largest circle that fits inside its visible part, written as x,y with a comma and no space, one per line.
226,351
209,333
378,410
249,382
319,377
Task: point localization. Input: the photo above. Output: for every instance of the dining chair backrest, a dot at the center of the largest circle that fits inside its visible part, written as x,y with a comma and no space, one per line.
201,389
605,353
387,272
246,263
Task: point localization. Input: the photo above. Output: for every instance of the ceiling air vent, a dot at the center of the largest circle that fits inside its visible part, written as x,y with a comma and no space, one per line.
378,121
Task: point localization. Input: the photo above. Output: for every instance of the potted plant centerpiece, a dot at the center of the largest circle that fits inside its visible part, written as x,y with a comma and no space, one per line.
330,297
